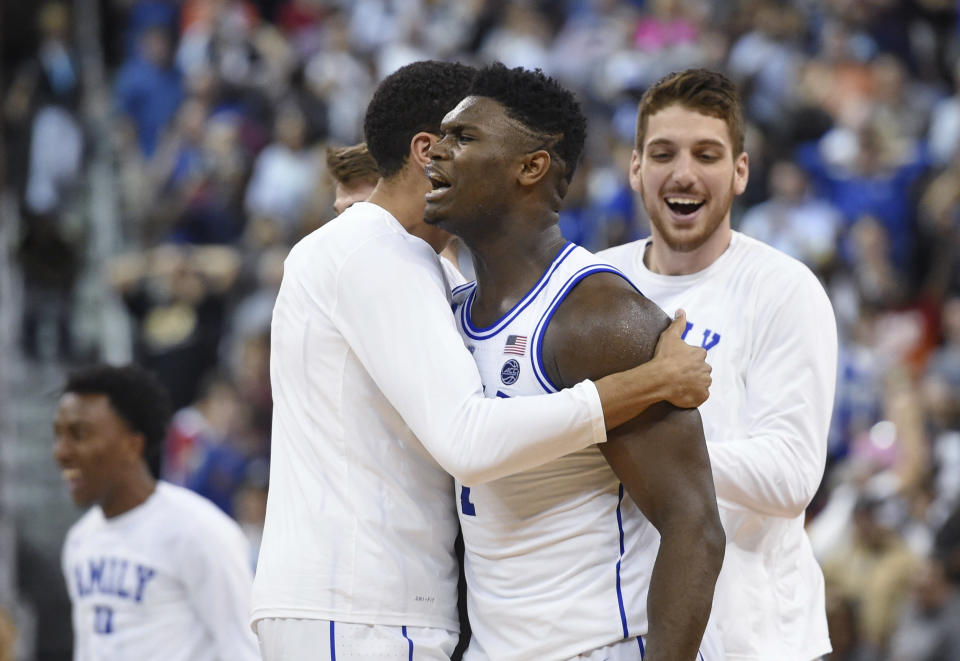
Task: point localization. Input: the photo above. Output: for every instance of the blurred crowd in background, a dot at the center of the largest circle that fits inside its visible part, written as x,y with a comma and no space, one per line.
220,112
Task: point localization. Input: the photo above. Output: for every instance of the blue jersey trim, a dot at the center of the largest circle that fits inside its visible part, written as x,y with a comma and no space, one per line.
642,651
456,307
459,288
404,631
484,333
623,614
333,645
536,348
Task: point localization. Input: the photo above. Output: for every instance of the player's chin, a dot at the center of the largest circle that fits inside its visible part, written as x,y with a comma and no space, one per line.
432,215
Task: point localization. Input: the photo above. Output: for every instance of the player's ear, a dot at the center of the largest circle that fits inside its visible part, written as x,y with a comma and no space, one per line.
534,167
741,173
134,445
636,182
420,145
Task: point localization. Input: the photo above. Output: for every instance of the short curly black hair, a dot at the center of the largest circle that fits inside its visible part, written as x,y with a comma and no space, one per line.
541,104
136,395
412,99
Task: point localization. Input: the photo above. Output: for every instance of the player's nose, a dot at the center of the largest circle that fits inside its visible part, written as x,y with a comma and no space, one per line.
439,149
684,172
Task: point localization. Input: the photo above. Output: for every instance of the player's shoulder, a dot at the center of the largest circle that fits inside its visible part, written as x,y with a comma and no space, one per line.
363,224
595,274
89,523
772,269
623,256
602,302
191,510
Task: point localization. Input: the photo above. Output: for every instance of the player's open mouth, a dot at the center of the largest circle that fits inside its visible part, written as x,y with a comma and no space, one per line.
683,206
438,181
437,178
73,477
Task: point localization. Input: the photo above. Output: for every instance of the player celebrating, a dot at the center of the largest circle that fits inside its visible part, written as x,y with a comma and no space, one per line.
558,562
770,335
154,571
377,402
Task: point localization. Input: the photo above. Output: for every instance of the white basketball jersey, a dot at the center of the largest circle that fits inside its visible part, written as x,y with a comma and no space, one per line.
558,558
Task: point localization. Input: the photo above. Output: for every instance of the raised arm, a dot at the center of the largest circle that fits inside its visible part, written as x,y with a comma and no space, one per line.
660,457
407,329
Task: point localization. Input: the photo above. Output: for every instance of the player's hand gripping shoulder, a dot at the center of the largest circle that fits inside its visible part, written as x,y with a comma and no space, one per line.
682,370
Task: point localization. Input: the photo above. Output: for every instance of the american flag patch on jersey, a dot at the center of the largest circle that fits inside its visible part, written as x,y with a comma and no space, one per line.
516,344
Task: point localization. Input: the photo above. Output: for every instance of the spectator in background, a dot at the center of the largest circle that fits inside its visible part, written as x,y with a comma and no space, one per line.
766,63
793,220
336,75
177,298
149,88
869,170
221,443
284,175
40,108
927,630
195,432
49,263
47,143
939,232
153,570
943,136
211,205
874,572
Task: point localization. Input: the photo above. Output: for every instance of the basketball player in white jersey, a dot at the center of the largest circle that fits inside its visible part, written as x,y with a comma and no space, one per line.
154,571
770,334
377,403
560,564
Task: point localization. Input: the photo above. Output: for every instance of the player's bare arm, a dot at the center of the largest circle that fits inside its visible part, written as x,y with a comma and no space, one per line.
660,456
678,373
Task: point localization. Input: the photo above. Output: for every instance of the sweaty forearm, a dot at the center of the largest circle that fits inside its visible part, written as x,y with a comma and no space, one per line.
625,395
681,592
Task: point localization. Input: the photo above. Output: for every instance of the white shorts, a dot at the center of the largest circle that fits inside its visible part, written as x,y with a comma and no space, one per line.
323,640
633,649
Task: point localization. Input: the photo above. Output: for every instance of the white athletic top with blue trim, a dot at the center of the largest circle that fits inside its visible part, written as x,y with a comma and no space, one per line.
558,558
771,338
376,403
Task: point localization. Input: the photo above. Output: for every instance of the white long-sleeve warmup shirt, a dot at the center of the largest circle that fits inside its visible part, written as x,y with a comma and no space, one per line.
169,580
771,338
376,404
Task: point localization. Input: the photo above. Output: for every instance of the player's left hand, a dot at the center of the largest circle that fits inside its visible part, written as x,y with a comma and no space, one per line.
685,371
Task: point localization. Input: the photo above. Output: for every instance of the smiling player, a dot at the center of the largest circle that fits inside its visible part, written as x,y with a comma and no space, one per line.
154,571
771,337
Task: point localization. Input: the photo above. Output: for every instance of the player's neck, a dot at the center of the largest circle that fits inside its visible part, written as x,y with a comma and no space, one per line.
403,196
507,266
661,258
132,491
